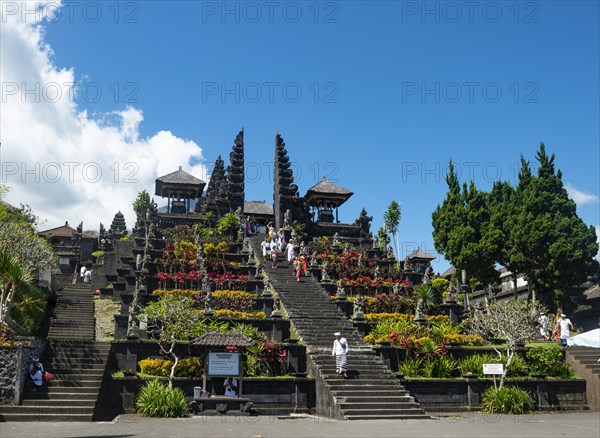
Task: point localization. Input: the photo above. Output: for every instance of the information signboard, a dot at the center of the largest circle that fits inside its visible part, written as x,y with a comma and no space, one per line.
493,368
223,364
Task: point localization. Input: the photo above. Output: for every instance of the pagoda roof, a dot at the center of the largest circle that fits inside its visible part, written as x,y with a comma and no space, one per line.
216,339
262,208
449,272
64,231
420,254
327,191
179,179
180,176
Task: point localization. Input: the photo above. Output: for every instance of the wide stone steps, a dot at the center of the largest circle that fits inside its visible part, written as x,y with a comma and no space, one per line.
76,360
371,390
48,410
81,402
60,396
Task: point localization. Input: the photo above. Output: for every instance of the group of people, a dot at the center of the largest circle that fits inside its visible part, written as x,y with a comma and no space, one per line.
561,330
85,274
37,375
273,244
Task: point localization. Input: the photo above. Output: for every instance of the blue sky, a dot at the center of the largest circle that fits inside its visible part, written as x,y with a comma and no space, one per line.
390,91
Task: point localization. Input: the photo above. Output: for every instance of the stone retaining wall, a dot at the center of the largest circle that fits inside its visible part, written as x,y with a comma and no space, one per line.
458,395
14,364
274,396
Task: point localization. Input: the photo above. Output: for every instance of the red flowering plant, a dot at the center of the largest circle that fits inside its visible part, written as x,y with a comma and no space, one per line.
228,280
266,358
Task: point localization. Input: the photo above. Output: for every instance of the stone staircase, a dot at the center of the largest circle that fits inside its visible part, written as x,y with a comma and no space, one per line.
371,391
77,361
585,363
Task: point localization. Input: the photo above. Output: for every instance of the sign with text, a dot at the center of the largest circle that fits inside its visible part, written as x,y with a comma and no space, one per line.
223,364
493,368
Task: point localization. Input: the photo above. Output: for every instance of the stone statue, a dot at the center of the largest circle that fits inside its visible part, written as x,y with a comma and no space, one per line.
324,274
377,274
276,313
390,254
336,239
313,260
376,242
340,293
208,311
420,317
451,295
259,273
357,310
238,213
241,234
205,284
428,275
287,219
396,288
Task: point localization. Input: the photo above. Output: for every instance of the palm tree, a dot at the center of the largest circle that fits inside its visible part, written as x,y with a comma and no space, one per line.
12,277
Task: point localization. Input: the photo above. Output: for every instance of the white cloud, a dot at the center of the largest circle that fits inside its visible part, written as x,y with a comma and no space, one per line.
580,198
64,163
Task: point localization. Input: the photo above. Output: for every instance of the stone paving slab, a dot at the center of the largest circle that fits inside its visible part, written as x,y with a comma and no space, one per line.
552,424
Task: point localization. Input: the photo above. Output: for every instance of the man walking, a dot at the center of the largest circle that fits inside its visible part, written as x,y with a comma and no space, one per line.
340,350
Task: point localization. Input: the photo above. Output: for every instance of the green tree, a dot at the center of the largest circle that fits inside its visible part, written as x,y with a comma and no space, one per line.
391,220
12,278
383,237
228,225
176,321
550,243
512,320
140,206
462,230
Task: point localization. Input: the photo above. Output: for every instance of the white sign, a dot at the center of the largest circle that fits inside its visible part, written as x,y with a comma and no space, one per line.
223,364
493,368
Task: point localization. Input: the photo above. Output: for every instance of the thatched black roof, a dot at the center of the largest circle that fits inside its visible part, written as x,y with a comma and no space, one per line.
216,339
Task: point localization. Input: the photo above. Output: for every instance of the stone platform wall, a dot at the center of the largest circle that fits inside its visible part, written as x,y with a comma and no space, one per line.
14,364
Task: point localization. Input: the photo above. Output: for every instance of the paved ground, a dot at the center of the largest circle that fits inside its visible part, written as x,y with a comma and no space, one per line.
555,424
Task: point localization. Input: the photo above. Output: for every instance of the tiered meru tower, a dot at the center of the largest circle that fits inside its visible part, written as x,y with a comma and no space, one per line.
235,173
285,192
225,192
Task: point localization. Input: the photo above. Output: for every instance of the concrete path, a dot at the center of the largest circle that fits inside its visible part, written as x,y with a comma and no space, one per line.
554,424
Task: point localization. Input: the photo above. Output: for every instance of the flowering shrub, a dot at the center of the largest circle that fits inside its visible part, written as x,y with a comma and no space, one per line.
178,292
389,303
233,294
228,280
233,300
187,367
224,313
462,339
388,317
265,358
212,249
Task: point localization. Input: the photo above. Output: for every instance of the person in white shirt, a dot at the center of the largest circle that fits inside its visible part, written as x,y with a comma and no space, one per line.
87,276
82,273
340,350
565,325
543,321
230,385
264,245
290,251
